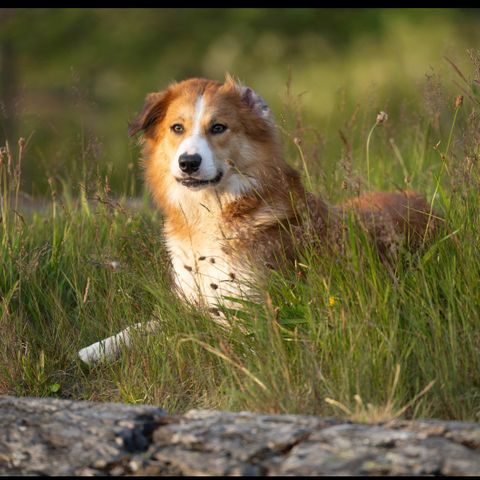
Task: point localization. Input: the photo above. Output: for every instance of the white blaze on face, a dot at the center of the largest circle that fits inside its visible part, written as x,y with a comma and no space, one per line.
199,106
196,143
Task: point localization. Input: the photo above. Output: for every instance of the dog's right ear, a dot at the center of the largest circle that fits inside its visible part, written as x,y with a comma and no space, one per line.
153,111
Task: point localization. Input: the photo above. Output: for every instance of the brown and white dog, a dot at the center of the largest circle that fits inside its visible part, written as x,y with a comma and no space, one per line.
233,207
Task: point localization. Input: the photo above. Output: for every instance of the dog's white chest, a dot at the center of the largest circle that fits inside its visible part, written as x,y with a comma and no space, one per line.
204,273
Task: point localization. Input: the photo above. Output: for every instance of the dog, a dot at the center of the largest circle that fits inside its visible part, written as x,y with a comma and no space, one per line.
233,208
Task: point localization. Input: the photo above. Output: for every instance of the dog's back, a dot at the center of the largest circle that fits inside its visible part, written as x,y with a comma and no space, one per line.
392,218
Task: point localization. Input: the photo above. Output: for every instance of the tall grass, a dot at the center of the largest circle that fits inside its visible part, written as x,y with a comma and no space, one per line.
344,335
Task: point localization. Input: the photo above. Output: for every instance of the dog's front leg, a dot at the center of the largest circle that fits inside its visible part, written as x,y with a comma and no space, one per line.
109,348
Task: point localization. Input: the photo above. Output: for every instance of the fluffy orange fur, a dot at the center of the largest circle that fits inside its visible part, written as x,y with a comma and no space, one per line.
223,232
256,228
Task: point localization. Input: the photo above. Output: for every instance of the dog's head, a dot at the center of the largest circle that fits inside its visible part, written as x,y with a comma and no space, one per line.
205,136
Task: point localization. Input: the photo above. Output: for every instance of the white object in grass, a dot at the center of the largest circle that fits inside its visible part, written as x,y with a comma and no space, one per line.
109,348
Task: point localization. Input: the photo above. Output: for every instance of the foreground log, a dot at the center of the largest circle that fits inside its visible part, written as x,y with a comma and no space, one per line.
62,437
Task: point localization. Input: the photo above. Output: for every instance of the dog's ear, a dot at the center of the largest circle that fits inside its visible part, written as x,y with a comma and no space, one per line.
153,111
250,98
253,100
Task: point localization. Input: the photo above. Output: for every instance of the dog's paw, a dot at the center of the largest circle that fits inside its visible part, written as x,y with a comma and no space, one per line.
108,349
105,350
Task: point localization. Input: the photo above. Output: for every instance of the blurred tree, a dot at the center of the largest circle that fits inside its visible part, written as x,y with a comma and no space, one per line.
8,81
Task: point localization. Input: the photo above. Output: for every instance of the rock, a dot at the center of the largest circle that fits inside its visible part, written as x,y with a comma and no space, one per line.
62,437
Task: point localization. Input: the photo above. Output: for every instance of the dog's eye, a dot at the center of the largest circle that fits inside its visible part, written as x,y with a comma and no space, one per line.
218,128
177,128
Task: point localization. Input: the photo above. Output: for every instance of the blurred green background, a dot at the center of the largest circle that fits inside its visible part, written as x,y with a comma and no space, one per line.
72,78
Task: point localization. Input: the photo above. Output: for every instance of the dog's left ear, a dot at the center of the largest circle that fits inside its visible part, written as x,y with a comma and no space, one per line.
152,112
253,100
250,98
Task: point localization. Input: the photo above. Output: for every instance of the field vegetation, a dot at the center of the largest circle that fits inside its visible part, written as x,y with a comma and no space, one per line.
81,248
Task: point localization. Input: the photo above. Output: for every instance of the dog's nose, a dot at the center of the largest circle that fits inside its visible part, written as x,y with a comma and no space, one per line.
189,163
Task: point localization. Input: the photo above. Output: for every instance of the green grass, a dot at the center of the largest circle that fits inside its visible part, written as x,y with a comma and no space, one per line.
339,336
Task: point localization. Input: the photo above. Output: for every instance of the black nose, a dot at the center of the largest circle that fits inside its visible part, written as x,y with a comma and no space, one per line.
189,163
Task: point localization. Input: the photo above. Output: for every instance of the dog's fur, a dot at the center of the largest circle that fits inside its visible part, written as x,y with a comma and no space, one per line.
245,210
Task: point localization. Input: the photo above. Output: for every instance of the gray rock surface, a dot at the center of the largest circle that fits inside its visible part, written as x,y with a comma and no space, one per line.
62,437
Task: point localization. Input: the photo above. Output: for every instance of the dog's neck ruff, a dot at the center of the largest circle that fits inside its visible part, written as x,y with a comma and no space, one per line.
207,267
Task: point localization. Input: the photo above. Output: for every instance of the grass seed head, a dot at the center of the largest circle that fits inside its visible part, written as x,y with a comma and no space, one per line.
458,101
381,117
